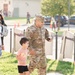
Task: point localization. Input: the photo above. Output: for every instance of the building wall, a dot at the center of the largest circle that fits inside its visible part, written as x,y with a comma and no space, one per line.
19,8
24,6
9,4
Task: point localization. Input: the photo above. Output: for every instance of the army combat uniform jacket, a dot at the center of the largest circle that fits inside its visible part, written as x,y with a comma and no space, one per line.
37,38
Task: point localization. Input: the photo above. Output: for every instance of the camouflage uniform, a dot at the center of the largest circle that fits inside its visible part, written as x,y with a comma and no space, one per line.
37,38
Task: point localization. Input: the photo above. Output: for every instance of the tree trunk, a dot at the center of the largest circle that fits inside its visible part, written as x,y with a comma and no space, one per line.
59,23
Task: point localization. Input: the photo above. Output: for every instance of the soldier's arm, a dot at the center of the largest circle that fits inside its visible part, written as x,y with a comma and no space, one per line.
47,35
29,35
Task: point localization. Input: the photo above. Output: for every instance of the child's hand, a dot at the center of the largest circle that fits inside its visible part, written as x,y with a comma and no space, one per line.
23,54
50,39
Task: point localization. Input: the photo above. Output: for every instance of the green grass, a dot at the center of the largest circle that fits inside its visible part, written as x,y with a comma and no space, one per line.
66,68
60,33
8,66
14,18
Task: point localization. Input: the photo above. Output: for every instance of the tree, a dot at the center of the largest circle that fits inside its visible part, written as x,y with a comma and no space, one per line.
53,7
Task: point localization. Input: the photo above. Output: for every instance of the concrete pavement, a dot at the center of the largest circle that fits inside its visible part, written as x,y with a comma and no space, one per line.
54,73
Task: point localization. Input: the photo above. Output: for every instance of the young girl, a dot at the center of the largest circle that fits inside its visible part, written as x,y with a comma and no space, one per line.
22,57
0,39
3,24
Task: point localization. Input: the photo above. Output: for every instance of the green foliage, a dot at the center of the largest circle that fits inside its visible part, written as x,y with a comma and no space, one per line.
53,7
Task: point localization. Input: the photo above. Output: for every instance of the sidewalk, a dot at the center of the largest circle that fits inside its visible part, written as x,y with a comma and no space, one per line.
12,22
54,73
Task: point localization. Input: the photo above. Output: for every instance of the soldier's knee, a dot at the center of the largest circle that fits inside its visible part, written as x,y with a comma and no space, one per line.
31,70
42,72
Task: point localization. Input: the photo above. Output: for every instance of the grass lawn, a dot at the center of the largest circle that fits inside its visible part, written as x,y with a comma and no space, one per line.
8,66
60,32
16,20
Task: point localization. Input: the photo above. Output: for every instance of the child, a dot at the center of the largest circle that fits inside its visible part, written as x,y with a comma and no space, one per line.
22,57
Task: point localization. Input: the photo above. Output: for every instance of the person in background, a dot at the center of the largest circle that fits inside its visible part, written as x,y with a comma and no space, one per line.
52,23
3,23
0,11
28,18
0,39
22,57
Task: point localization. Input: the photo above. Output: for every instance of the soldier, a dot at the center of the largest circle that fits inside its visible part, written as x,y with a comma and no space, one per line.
37,35
28,17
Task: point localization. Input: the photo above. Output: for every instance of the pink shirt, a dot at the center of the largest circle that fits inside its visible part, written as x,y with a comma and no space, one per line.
22,57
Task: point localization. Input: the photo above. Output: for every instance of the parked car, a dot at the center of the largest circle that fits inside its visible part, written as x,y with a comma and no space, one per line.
63,20
72,20
47,20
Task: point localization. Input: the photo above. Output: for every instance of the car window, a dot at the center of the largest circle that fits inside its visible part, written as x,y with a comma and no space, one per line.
73,17
56,18
47,18
62,17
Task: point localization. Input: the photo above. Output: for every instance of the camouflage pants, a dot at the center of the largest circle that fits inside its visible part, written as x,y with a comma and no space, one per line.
40,64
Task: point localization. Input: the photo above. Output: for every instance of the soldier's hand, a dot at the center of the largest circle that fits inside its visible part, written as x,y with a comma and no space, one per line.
50,39
32,52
